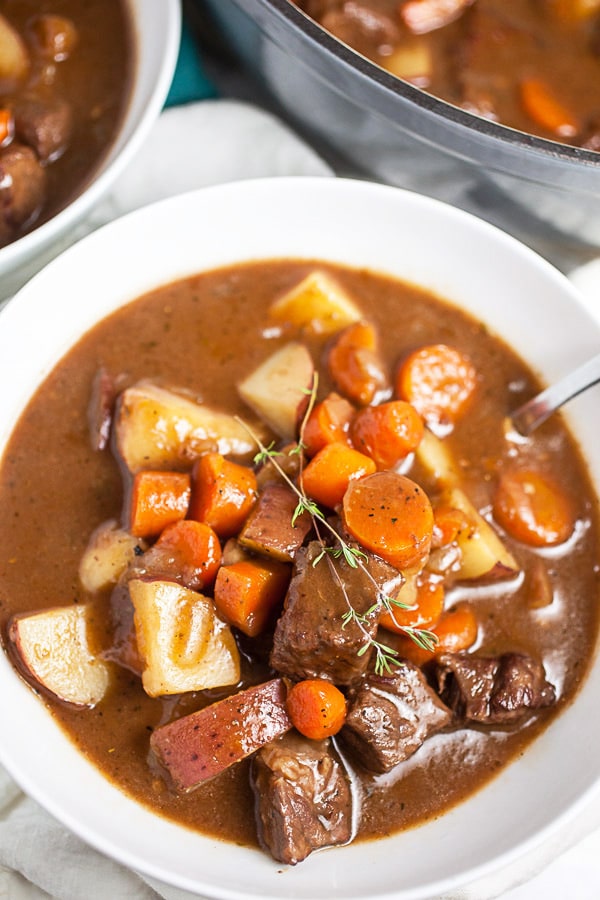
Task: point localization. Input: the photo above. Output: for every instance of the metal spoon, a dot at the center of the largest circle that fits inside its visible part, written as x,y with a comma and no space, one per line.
531,414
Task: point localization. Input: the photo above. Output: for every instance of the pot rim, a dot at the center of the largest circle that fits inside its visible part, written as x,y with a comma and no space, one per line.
463,134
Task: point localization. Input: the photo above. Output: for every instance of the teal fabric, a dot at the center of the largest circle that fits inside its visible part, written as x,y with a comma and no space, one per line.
190,81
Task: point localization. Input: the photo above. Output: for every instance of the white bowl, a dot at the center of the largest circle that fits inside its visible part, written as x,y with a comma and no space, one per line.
157,30
521,298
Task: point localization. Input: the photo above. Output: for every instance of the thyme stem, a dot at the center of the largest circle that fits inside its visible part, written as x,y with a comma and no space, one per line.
385,657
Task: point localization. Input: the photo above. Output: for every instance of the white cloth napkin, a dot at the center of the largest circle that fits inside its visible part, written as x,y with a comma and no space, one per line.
192,146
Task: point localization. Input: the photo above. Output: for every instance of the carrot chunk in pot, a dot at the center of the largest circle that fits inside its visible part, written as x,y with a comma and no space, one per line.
354,363
223,493
317,708
390,515
388,432
531,508
439,381
328,474
157,499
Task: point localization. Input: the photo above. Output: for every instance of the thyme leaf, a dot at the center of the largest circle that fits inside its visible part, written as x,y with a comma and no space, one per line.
423,638
306,505
393,602
386,658
352,555
265,453
319,557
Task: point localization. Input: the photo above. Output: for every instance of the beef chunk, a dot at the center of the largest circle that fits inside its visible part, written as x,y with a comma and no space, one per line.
55,36
289,460
389,717
493,690
311,640
45,124
22,189
105,389
123,648
303,798
168,563
269,530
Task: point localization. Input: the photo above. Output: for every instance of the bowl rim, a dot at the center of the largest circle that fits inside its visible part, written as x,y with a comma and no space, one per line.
510,144
121,816
123,147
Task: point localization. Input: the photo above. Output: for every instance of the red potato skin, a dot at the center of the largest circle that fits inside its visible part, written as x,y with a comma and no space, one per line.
200,746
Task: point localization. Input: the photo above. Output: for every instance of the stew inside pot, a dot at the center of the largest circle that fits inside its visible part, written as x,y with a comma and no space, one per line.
275,562
531,64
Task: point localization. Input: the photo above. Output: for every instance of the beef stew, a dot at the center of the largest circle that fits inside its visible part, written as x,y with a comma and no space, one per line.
467,601
65,75
533,65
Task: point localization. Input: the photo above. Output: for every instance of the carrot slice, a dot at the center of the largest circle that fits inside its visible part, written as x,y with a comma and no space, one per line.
195,547
328,474
448,524
427,609
248,591
328,421
223,493
533,509
438,381
456,631
156,500
6,125
574,12
546,110
354,364
317,708
390,515
388,432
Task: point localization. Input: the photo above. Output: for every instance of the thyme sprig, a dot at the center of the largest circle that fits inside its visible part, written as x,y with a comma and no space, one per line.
385,657
351,555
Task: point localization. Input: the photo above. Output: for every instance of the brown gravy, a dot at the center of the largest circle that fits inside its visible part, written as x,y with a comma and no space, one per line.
204,334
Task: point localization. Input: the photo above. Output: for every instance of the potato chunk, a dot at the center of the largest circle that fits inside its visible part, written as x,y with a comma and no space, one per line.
159,429
14,58
183,644
195,748
109,552
435,457
277,390
484,556
412,61
53,647
318,305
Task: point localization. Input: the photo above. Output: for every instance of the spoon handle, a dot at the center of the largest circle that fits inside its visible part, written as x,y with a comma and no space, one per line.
531,414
